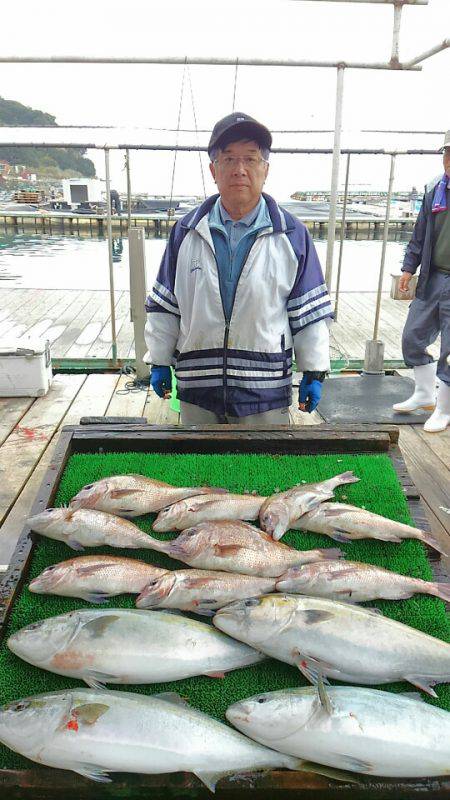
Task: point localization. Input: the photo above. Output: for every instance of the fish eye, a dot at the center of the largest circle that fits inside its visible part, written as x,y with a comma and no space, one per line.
34,626
261,700
89,486
50,568
22,705
251,601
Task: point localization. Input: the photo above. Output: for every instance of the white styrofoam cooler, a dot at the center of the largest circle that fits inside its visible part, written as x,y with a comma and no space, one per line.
25,368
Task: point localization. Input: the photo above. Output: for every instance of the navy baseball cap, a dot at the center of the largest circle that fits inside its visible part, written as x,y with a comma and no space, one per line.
243,126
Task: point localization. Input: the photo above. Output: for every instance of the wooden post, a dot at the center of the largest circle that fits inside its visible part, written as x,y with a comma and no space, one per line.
138,293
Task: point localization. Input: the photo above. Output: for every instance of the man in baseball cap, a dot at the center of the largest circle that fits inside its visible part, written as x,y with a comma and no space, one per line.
239,289
429,313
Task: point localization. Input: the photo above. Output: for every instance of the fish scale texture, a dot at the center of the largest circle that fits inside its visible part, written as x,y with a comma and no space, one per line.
378,491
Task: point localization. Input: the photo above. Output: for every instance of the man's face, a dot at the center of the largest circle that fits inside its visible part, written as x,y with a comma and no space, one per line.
447,160
240,173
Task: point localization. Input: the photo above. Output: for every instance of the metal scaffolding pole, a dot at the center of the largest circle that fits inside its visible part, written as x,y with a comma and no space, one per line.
335,174
341,241
398,7
374,356
206,61
383,249
127,161
110,255
428,53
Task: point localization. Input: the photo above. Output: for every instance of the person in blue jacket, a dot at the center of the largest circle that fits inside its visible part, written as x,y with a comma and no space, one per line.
239,289
429,313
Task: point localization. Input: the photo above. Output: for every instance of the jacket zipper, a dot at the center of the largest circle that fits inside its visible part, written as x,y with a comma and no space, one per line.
228,320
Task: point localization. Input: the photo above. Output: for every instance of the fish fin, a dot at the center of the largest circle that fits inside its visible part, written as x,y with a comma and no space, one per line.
74,544
311,668
97,626
324,697
423,682
91,771
196,505
355,764
343,573
312,616
206,607
374,610
211,778
211,490
95,597
193,583
69,514
214,674
171,697
97,680
396,539
431,541
328,772
86,569
116,494
89,713
441,590
340,535
223,550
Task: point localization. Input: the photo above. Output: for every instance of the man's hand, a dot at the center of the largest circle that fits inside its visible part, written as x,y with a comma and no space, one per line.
403,283
310,391
161,381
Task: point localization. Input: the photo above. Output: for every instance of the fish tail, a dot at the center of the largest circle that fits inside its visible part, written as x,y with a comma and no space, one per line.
344,477
431,541
332,553
151,543
441,590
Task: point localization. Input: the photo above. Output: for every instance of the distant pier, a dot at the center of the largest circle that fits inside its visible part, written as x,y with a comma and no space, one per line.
160,224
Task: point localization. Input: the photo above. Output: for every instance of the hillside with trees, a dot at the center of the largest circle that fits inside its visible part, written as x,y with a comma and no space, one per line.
46,161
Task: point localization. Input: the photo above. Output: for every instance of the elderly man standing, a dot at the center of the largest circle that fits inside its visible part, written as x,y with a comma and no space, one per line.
429,313
239,287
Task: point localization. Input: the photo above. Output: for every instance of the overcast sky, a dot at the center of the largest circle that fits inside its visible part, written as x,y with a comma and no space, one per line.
283,98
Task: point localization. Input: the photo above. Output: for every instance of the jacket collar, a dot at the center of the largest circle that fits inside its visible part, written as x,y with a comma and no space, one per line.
280,221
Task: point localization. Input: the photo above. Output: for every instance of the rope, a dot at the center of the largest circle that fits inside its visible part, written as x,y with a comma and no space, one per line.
196,130
177,137
235,82
134,385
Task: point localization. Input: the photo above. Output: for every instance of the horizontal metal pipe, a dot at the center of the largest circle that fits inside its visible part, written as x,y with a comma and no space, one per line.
439,47
206,61
197,148
386,2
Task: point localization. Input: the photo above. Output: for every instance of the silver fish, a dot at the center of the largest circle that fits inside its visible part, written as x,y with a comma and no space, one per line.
201,591
339,640
132,495
205,509
95,578
351,728
345,523
280,510
356,582
235,546
88,528
128,646
94,733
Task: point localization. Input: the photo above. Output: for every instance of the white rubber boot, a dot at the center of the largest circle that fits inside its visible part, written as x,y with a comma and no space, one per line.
424,396
440,417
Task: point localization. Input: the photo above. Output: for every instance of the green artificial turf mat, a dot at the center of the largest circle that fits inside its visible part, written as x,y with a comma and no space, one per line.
378,491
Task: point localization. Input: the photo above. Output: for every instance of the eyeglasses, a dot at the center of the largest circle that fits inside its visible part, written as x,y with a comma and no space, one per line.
249,162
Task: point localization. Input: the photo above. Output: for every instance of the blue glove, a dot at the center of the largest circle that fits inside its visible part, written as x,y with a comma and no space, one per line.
310,392
161,380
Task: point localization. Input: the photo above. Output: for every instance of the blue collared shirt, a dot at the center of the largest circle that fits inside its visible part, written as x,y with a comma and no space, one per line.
232,242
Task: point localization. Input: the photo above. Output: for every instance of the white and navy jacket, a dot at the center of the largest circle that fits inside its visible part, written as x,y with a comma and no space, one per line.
242,365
